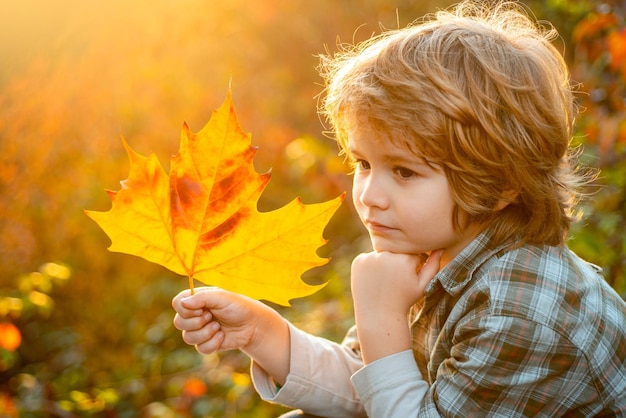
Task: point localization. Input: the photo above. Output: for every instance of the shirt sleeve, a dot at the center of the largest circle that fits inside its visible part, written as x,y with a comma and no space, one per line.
391,386
509,367
318,380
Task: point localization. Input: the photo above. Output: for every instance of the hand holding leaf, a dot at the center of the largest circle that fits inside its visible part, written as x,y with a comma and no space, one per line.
202,221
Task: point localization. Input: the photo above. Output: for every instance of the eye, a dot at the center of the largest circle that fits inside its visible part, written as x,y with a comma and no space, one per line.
362,164
404,173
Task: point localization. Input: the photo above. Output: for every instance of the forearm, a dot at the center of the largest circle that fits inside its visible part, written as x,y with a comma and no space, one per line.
319,377
391,387
384,286
381,334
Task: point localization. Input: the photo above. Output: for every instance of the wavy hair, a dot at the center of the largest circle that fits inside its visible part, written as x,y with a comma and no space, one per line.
481,93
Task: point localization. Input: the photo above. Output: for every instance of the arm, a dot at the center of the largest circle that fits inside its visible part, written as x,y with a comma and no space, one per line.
384,286
511,366
314,372
214,319
318,380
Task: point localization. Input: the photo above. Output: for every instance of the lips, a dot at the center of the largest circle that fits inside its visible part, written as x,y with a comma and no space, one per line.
377,227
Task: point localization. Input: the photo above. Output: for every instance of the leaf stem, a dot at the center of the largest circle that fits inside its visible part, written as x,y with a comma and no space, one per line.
193,292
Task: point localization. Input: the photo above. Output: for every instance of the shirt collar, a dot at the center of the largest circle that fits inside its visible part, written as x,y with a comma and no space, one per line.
455,275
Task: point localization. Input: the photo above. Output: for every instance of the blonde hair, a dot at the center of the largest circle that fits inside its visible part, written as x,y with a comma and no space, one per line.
481,93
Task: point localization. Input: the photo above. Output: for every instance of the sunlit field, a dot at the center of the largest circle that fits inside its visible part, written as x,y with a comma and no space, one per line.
85,331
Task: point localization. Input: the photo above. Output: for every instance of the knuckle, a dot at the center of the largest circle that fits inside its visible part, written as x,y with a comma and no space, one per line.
207,347
187,338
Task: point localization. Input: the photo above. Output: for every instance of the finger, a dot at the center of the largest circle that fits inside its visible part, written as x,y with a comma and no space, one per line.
202,335
431,267
185,313
204,298
192,323
176,301
212,345
190,306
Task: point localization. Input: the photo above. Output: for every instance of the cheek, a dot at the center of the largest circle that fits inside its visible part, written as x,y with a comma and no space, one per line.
356,188
356,192
360,208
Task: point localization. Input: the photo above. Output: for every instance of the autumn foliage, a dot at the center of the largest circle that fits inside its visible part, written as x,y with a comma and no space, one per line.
10,336
202,220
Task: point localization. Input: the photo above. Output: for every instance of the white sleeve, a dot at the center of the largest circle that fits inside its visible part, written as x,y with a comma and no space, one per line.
391,386
318,380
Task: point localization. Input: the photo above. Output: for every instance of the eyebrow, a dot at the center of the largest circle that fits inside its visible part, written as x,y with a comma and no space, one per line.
401,159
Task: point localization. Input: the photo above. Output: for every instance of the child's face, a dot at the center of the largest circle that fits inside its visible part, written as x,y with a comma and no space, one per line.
405,204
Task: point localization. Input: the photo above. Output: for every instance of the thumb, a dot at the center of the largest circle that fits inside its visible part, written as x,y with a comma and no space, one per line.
195,301
431,267
202,299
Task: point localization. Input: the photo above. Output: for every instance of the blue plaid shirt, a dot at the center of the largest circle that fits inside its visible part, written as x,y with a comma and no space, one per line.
534,331
529,332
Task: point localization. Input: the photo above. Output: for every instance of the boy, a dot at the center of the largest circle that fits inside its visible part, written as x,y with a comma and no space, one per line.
458,129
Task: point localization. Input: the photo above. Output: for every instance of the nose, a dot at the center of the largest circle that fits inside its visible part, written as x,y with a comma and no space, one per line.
371,191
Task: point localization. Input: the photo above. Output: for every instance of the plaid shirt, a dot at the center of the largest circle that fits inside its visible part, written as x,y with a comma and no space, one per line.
533,332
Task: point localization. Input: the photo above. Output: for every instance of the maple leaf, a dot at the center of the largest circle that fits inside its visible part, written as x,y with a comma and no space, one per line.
202,220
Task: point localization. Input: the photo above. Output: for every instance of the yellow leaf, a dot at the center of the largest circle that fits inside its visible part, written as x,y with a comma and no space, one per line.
201,220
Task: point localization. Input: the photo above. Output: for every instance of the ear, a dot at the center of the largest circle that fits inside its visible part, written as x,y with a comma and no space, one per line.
508,196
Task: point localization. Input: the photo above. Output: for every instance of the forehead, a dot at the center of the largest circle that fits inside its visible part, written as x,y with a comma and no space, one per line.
366,140
364,133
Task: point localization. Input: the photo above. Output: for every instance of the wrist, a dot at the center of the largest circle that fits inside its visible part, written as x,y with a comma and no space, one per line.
270,345
267,323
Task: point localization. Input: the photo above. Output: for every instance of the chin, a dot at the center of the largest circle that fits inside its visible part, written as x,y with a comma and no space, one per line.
390,247
393,247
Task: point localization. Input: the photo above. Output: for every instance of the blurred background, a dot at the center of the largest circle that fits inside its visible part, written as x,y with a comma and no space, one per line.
87,332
